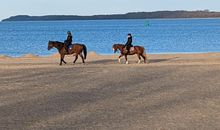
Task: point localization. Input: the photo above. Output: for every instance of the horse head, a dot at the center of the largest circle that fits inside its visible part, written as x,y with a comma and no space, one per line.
50,45
117,47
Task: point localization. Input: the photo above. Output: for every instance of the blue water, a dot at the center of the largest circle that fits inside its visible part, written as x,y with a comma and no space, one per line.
160,36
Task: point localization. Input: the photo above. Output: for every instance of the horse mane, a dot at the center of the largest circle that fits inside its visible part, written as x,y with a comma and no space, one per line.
58,42
120,44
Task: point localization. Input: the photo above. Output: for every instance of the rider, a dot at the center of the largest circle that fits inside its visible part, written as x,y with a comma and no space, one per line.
128,44
68,40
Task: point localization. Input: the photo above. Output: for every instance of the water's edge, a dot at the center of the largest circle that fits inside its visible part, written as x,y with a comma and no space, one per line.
107,54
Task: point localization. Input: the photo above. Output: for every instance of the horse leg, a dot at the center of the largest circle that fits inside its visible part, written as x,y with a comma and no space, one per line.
139,57
75,59
82,58
61,59
126,58
119,59
144,57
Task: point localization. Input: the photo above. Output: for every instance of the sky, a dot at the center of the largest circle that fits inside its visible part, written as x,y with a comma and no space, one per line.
94,7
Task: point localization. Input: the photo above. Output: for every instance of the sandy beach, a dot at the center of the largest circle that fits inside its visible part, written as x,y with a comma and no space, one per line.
173,91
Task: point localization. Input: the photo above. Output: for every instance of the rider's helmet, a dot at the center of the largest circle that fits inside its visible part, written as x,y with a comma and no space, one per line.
69,33
129,35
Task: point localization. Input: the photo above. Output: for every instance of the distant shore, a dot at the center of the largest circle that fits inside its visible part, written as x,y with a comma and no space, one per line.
131,15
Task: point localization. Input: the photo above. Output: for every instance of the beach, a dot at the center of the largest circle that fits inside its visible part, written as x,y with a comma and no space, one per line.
172,91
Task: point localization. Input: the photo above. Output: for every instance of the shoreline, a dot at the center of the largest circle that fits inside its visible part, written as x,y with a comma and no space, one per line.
97,60
30,55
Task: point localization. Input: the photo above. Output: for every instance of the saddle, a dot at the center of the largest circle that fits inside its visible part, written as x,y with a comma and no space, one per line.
68,48
131,49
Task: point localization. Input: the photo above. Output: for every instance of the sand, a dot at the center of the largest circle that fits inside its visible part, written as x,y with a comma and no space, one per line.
173,91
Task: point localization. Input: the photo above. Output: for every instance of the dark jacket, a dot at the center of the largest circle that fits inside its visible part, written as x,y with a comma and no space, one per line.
129,42
69,39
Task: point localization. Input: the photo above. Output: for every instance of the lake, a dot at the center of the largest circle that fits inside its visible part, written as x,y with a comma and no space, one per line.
157,36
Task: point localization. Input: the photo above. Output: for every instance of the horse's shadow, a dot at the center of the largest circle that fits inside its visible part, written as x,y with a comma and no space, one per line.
115,61
161,60
103,61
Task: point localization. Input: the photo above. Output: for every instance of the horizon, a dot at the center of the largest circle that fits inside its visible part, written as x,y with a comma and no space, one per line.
97,7
111,13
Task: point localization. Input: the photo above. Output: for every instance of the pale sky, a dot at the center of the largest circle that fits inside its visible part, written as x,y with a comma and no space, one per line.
92,7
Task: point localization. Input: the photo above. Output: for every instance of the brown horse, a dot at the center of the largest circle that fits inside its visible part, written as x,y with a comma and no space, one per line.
76,50
140,51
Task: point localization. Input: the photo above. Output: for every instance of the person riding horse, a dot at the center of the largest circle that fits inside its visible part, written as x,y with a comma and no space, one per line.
68,41
128,44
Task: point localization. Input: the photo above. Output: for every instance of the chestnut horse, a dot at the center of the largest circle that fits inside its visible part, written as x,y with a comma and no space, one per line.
76,50
140,51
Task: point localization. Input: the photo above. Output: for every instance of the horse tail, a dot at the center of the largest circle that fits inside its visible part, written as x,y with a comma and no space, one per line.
84,50
144,54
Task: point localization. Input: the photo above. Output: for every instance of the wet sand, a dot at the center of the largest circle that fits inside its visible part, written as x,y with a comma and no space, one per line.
173,91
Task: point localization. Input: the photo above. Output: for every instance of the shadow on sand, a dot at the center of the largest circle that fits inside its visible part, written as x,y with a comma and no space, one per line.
104,61
161,60
115,61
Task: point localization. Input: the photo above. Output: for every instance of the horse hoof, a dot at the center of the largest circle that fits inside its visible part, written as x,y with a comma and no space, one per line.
119,61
